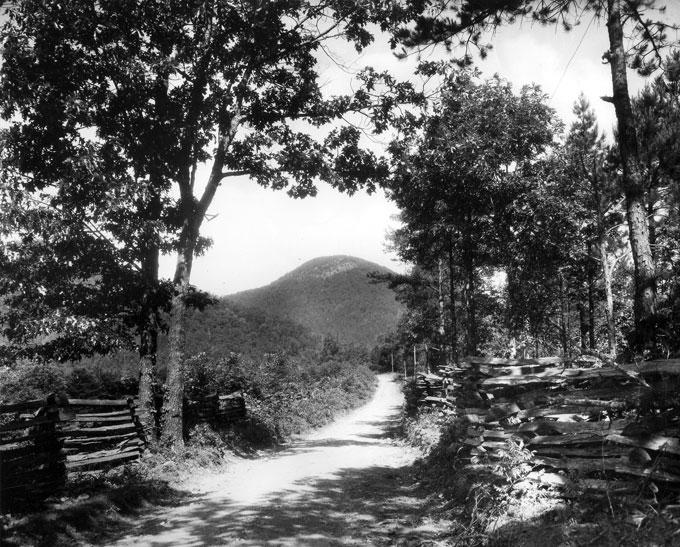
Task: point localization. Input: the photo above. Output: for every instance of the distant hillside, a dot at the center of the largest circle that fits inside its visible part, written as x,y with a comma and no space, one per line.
229,327
219,330
330,296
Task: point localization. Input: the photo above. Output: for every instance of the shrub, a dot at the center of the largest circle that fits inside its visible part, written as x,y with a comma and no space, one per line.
284,396
26,381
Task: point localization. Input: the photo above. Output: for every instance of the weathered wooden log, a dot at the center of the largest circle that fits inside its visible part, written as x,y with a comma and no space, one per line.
101,454
101,402
25,424
591,437
609,486
513,362
99,431
561,412
616,465
659,443
603,426
500,435
104,461
85,442
21,407
436,401
596,452
34,437
111,414
103,419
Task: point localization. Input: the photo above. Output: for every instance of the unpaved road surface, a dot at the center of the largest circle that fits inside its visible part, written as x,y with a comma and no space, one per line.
346,484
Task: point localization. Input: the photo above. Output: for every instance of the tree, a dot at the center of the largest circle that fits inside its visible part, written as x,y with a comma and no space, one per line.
657,115
591,183
170,86
455,181
81,252
466,21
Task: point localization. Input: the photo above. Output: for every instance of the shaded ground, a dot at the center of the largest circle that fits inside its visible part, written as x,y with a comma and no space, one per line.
348,484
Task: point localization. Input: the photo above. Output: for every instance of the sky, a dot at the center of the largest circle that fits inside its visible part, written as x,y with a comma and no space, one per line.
260,234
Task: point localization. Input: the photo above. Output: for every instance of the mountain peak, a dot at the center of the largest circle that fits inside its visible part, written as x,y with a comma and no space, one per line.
325,267
330,296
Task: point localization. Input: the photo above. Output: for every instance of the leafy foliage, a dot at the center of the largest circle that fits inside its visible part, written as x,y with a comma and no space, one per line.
284,395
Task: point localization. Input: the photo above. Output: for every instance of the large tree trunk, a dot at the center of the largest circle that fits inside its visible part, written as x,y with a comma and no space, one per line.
440,303
564,316
584,325
148,347
651,221
453,330
148,378
148,328
644,270
173,424
609,296
470,308
592,342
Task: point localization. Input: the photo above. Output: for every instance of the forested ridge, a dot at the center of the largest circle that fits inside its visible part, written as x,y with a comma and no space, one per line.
553,243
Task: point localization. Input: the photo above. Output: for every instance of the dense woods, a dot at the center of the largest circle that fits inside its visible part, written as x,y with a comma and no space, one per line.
530,238
536,258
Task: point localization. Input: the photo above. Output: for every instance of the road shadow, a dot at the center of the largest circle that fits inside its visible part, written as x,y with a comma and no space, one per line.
376,505
348,505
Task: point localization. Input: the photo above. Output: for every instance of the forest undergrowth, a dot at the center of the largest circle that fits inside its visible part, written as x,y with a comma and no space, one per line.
495,505
284,397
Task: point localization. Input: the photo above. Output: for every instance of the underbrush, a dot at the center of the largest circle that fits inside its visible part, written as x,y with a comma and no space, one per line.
283,396
94,507
495,503
27,380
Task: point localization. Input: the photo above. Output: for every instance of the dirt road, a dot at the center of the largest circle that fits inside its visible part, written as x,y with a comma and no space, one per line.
346,484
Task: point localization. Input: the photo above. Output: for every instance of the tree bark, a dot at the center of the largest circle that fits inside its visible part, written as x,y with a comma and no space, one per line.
148,330
651,222
441,303
537,347
172,433
564,312
453,330
644,270
470,308
148,344
609,296
592,342
148,379
193,213
584,326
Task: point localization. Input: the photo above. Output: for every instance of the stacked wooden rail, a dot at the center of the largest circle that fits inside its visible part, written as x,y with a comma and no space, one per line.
231,407
100,433
43,440
610,425
31,461
215,409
